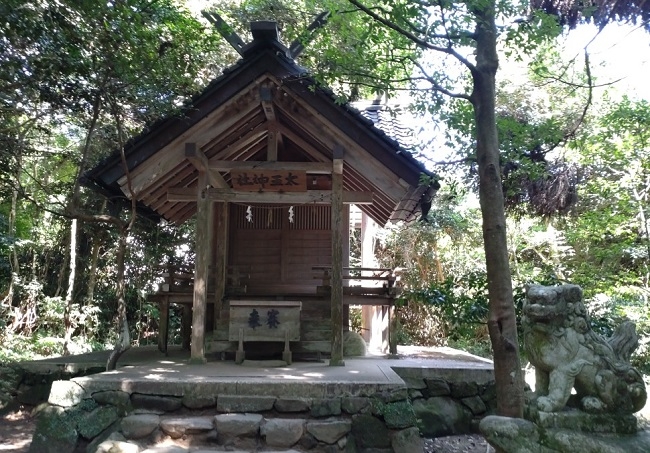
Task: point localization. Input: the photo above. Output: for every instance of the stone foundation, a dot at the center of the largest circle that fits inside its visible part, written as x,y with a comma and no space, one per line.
80,419
388,411
29,383
449,401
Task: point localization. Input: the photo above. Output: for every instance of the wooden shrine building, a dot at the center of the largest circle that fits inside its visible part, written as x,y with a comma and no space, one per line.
268,163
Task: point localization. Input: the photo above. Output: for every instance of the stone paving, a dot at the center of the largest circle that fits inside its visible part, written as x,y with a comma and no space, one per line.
146,366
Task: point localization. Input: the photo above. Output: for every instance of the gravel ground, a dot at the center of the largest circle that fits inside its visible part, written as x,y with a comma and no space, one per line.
472,443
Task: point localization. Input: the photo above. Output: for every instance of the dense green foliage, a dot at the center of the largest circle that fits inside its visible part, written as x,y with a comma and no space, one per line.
76,78
75,74
601,243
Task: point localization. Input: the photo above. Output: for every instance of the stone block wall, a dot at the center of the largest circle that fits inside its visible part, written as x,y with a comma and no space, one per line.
77,418
29,383
447,401
96,414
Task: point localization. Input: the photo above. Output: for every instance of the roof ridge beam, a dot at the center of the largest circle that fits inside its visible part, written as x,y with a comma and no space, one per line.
317,168
188,195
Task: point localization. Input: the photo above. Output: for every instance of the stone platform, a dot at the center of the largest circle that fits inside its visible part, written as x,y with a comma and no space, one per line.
371,404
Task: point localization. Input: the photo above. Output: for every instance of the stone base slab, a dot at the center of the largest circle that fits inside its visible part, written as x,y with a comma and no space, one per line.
575,420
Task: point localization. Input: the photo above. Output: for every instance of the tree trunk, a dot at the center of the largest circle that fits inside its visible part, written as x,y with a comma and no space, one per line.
13,252
62,268
13,259
69,299
94,259
124,340
502,322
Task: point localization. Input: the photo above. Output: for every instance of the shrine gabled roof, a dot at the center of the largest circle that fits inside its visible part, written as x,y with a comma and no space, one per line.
266,93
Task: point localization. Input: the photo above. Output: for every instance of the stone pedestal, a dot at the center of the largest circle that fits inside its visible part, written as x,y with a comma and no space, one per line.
575,420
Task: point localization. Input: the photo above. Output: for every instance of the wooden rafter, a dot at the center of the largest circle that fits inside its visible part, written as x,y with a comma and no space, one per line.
329,135
306,147
198,159
185,178
248,139
225,30
247,123
220,120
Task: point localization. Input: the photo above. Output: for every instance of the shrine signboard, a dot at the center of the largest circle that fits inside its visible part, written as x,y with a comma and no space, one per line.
266,320
269,180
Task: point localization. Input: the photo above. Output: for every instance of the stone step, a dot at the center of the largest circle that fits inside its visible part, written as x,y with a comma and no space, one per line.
178,449
128,447
308,347
117,446
243,431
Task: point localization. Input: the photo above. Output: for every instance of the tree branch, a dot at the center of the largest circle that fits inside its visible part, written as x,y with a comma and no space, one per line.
463,160
437,87
415,39
590,91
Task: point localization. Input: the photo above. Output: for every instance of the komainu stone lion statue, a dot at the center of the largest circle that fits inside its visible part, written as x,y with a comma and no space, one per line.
567,354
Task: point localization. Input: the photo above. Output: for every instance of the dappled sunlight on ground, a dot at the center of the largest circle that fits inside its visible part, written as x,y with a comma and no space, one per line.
16,429
438,352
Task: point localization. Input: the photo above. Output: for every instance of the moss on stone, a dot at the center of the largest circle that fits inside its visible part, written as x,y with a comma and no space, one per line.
55,432
399,415
353,344
93,423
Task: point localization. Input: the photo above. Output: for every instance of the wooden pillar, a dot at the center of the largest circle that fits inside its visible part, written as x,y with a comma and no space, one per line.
368,260
345,257
337,263
392,336
186,327
221,259
163,325
201,267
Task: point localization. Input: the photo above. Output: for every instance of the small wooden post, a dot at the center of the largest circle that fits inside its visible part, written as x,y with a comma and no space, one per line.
336,358
201,266
286,354
240,355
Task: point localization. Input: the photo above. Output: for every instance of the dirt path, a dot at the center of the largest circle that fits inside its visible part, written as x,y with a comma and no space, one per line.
16,429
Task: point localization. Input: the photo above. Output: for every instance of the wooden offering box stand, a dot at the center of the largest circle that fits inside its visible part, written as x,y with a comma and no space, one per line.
264,320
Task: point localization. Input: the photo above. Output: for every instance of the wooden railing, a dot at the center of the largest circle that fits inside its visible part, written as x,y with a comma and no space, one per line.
175,278
180,278
380,283
363,281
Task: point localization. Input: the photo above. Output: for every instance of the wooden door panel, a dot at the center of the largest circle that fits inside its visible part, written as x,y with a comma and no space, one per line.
276,253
